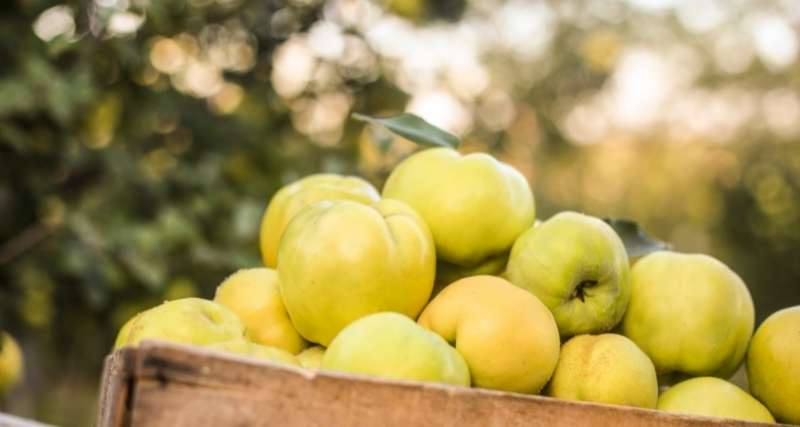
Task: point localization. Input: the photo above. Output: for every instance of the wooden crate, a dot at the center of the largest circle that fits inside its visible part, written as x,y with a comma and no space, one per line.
164,384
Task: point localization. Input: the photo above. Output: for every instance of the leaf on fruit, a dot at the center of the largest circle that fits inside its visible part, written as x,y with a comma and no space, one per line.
637,242
413,128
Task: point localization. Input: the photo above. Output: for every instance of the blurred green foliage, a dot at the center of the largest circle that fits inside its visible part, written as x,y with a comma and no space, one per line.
140,140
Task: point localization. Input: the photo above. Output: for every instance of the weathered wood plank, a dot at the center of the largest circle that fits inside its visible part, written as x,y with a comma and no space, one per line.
115,386
184,386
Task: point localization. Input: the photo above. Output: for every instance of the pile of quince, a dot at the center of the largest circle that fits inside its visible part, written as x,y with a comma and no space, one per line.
447,276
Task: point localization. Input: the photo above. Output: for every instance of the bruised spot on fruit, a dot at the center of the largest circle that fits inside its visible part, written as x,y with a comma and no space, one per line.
582,290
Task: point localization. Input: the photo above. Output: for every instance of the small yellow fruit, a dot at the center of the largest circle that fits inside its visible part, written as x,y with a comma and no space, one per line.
689,313
250,349
341,260
713,397
474,205
254,295
391,345
311,358
187,321
773,364
507,336
577,266
291,199
606,368
125,330
11,363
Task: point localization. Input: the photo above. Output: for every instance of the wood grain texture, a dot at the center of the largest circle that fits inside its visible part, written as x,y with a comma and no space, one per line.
115,386
178,385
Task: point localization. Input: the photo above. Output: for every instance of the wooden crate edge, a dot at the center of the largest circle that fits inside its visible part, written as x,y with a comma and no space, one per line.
116,384
169,362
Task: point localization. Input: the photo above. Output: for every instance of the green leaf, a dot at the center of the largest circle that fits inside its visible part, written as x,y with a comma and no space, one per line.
637,242
413,128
